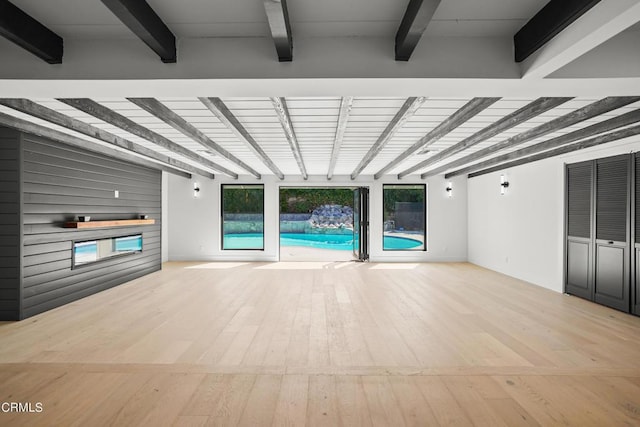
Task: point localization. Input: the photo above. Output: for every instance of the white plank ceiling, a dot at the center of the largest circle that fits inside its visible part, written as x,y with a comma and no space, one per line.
315,121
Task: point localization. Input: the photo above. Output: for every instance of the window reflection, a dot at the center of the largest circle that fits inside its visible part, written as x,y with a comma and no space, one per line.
404,217
96,250
242,217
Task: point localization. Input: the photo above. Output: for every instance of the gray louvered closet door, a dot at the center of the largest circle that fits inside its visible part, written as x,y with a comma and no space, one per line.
579,257
612,209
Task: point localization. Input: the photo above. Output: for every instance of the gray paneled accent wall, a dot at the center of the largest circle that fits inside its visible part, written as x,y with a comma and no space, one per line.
58,184
9,224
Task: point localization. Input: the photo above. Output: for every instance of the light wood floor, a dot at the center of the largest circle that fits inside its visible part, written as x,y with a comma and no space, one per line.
324,344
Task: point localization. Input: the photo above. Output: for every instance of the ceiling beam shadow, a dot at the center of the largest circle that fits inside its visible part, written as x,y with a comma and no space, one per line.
41,112
280,105
580,115
408,109
280,27
222,112
554,17
414,22
587,143
74,141
140,18
161,111
346,103
525,113
116,119
29,34
469,110
587,132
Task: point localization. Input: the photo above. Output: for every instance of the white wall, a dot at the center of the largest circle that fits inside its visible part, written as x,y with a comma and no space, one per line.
194,226
521,233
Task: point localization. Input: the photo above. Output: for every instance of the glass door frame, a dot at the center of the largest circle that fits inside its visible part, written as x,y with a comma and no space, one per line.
361,223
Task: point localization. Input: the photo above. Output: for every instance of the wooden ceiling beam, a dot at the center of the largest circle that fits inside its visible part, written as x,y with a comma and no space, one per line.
554,17
145,23
469,110
601,22
280,27
23,30
280,105
618,122
346,103
107,115
408,109
414,22
581,145
161,111
41,112
222,112
523,114
74,141
585,113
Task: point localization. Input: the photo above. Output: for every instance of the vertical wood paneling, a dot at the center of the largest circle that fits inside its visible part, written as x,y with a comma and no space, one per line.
9,224
61,183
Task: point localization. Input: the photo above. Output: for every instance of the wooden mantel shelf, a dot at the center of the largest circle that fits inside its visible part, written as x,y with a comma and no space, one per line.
114,223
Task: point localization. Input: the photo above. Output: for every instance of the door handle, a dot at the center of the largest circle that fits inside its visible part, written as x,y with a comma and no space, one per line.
610,242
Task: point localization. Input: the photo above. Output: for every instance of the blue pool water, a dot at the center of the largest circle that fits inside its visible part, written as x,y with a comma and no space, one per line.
341,242
86,252
122,244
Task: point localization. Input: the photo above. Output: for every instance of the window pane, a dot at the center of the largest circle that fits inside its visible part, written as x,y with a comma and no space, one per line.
97,250
242,217
404,217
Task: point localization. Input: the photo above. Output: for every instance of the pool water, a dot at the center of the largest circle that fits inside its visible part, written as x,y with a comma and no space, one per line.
340,242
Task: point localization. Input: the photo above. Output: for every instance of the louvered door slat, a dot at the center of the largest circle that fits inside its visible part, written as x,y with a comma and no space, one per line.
579,203
637,191
611,199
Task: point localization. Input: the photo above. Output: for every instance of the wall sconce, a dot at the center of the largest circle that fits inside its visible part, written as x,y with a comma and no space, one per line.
196,190
449,189
503,184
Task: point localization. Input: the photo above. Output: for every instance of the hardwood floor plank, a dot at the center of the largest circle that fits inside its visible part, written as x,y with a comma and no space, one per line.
318,334
325,344
352,401
383,405
191,421
415,410
298,349
322,407
228,409
206,394
262,401
472,402
291,408
114,400
443,404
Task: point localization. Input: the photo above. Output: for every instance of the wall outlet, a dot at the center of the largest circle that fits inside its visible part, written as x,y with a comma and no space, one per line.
116,194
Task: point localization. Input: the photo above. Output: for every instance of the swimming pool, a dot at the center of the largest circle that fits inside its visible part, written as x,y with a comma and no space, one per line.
340,242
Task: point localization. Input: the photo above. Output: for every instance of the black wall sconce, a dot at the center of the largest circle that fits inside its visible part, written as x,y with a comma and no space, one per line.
196,190
504,184
449,189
